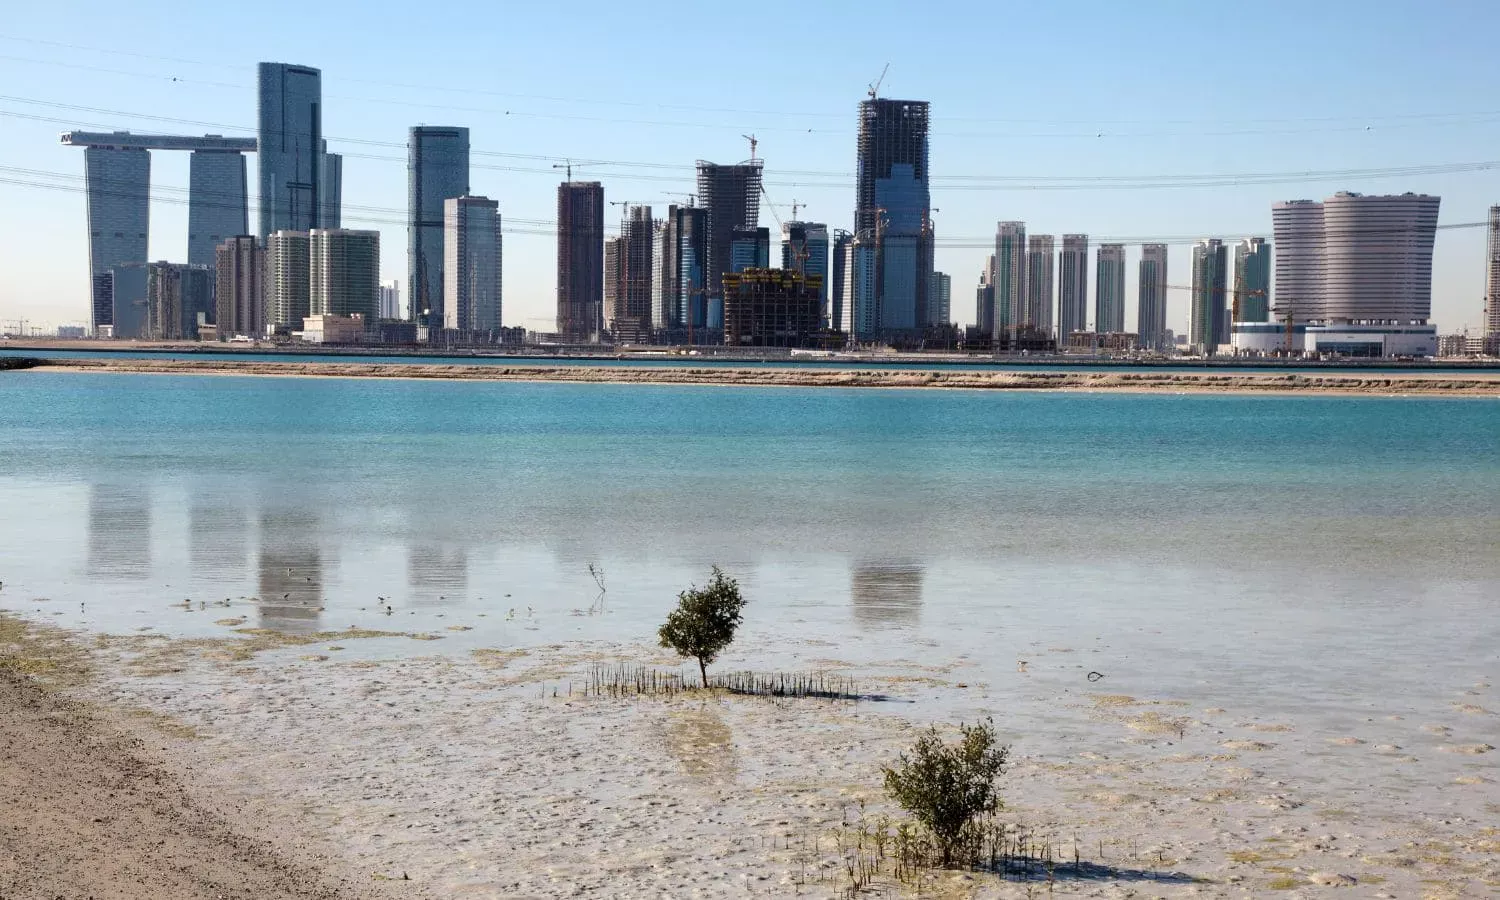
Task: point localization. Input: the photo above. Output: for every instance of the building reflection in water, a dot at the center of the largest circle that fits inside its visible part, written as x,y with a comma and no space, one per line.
437,575
886,593
218,537
119,531
291,570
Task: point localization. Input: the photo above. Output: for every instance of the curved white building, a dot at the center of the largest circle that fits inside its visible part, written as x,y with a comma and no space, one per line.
1378,258
1297,226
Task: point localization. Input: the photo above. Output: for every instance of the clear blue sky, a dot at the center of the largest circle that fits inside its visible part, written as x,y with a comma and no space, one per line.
1023,90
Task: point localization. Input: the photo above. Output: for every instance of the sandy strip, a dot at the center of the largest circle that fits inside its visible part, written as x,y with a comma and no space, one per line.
1423,383
89,810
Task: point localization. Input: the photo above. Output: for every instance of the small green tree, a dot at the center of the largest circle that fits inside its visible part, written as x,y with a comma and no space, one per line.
704,621
947,786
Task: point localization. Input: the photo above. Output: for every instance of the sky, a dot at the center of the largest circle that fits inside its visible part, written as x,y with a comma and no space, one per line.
1071,117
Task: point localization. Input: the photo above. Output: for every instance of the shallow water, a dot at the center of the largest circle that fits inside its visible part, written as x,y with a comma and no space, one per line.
1329,559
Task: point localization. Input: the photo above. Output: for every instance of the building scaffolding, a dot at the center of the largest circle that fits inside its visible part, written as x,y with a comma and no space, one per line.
773,308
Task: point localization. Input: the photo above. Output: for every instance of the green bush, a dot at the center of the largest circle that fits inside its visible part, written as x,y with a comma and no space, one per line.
704,621
945,786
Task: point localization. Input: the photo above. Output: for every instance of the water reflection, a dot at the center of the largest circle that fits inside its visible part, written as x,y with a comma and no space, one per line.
886,593
119,531
218,537
437,575
291,570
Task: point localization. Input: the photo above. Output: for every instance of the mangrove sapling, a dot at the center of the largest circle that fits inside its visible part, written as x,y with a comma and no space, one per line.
704,622
946,787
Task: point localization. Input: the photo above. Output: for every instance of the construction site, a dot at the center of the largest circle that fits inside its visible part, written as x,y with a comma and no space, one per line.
773,308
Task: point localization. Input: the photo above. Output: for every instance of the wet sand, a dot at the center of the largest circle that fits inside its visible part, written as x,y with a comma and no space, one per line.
1427,383
491,774
90,809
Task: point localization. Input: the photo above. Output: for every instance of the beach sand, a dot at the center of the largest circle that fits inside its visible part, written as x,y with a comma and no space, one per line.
491,774
1426,383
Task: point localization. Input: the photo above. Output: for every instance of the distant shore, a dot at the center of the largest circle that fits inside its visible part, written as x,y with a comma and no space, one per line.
1328,382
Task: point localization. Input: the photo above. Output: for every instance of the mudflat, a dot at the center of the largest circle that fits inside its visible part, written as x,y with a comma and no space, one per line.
86,811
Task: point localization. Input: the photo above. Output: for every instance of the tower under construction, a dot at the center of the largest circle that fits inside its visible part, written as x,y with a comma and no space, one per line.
731,196
580,260
893,211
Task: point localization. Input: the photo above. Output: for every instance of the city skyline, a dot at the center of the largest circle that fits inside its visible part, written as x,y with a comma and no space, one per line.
216,86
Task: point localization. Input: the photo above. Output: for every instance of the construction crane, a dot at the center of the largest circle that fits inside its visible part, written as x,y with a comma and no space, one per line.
754,142
567,165
692,199
875,88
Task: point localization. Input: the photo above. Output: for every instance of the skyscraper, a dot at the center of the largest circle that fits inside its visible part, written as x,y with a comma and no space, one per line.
580,260
216,202
390,300
731,195
939,300
1208,323
288,289
437,169
840,300
240,287
664,270
1252,281
472,270
630,318
614,275
984,299
804,248
749,248
344,274
893,208
1492,279
1109,295
1009,279
1037,321
289,147
176,295
692,269
1073,286
331,188
1377,257
118,183
1298,230
126,285
1151,294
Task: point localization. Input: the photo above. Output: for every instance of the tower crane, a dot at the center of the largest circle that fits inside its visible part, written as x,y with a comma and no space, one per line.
754,142
875,88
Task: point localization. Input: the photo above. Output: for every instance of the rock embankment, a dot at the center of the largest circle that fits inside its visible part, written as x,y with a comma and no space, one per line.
1169,382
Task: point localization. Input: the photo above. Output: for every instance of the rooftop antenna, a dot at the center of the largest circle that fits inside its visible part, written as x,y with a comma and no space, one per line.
875,88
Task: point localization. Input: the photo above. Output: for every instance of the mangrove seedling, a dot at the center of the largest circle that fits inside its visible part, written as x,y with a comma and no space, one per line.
945,786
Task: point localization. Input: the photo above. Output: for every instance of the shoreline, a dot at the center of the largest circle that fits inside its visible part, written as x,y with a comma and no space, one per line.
1425,383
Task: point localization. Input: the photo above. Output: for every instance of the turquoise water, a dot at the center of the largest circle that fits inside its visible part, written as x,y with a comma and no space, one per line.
1263,548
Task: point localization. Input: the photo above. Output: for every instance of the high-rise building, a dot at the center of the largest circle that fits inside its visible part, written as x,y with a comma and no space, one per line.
344,273
1252,281
749,248
664,272
804,247
390,300
125,285
1298,229
437,169
894,209
1008,278
1039,262
1151,295
580,260
984,299
289,147
176,296
1208,324
1377,257
117,169
939,300
630,318
691,282
217,210
614,274
288,289
863,305
1492,278
118,186
240,287
731,195
1073,286
472,264
331,187
840,299
1109,294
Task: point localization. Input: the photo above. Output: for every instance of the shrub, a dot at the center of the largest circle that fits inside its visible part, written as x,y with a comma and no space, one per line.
947,786
704,621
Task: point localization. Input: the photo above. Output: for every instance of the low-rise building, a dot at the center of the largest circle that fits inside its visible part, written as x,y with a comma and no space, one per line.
330,329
